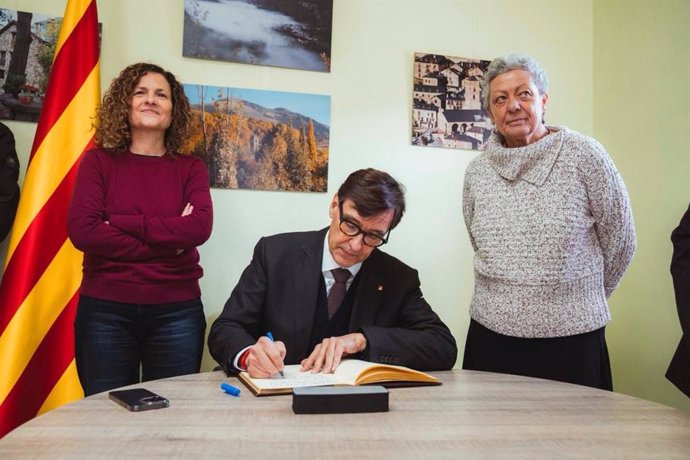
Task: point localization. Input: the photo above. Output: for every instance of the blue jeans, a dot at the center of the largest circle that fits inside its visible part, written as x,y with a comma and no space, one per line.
115,340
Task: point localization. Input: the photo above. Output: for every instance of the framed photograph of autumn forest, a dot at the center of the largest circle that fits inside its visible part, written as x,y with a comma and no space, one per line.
261,140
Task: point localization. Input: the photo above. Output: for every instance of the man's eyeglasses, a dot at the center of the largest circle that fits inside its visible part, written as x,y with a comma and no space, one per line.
351,229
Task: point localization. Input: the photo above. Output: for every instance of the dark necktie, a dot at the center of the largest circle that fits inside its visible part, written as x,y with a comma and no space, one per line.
337,292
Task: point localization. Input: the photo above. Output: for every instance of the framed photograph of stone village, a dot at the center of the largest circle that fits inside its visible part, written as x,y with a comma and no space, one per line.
446,103
27,45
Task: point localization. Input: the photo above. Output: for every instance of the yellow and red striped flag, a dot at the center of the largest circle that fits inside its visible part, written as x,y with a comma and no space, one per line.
38,293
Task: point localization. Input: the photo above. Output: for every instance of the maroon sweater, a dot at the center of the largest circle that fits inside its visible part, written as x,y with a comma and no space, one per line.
125,217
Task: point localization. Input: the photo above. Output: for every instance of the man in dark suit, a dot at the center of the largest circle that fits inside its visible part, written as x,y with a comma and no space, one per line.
679,370
9,188
293,288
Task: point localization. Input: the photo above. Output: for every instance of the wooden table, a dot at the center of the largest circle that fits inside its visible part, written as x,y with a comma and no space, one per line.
473,414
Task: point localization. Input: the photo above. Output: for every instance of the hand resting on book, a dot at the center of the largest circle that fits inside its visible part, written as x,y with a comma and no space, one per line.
326,356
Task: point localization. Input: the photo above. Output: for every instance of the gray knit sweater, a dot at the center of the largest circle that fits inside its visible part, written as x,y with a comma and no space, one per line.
552,231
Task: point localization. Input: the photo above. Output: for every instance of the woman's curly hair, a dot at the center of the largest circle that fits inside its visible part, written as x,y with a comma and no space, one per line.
112,119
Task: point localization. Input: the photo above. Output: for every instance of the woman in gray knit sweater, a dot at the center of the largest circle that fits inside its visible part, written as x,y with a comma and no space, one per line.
550,221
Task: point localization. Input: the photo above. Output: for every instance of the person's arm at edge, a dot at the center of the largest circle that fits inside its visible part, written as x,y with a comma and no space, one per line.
680,270
9,181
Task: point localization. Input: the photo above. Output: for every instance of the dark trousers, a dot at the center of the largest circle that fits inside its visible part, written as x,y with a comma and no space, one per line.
114,341
582,359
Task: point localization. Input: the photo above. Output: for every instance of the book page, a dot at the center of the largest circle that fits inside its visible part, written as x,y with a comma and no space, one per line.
294,379
349,372
349,369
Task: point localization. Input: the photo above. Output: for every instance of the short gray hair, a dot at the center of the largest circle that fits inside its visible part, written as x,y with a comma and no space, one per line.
509,62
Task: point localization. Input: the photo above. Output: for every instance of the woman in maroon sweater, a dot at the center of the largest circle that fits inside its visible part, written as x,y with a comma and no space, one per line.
139,210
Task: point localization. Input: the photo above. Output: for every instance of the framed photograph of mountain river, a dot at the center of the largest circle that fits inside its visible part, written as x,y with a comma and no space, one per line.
261,140
279,33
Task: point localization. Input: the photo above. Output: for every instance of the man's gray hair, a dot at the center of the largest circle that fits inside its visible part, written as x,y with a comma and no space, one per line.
504,64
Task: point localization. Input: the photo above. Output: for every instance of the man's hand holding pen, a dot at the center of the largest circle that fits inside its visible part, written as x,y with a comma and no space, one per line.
265,358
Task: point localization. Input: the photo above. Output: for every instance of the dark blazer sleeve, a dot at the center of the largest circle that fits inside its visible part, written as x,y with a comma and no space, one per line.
406,331
679,370
9,174
277,292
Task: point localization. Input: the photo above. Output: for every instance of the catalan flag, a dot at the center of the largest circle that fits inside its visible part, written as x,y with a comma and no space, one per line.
39,289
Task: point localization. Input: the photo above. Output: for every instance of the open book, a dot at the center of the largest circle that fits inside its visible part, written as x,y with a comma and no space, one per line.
349,372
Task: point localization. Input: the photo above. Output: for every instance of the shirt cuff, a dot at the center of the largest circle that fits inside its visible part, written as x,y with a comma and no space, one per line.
236,361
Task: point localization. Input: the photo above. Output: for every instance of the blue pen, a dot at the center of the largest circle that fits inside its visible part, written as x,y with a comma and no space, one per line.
229,389
270,337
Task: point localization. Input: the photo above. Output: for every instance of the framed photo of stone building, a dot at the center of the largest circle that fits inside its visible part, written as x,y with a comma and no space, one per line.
260,139
279,33
27,45
446,102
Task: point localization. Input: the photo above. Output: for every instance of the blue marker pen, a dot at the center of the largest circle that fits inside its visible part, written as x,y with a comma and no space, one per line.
229,389
270,337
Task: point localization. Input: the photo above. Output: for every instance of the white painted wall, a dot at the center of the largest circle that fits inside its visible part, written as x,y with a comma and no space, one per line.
371,89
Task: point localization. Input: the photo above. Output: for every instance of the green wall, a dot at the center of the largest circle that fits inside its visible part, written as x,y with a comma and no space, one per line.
642,115
618,70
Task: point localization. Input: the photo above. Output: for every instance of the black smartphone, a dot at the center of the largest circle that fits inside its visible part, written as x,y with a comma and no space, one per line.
138,399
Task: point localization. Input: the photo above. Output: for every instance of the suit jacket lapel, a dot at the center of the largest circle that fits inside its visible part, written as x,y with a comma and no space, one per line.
369,293
306,282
